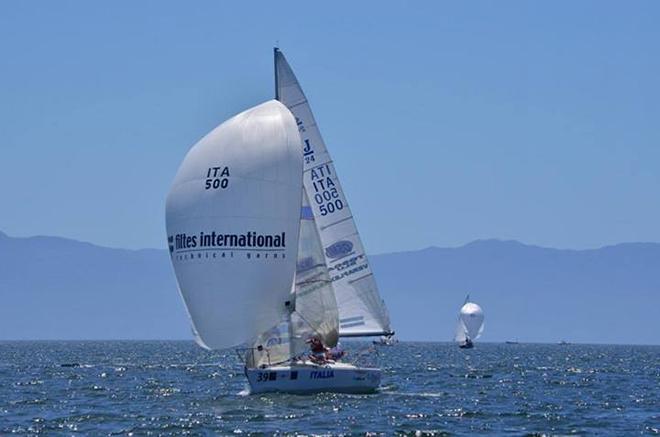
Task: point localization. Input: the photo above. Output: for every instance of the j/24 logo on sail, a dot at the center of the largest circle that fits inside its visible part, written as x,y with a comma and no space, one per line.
308,152
217,177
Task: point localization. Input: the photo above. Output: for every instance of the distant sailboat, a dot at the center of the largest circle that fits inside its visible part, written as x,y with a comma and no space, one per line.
470,324
266,253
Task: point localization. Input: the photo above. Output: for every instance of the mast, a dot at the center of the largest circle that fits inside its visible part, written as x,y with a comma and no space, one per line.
277,93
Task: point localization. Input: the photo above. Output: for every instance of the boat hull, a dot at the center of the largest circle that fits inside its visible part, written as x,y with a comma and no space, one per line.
466,345
310,378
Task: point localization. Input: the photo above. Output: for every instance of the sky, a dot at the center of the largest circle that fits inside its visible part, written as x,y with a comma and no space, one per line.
447,122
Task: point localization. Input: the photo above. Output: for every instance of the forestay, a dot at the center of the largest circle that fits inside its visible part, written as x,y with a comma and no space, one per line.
233,218
361,310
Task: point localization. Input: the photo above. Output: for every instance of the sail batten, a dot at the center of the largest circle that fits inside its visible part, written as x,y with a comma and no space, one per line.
355,334
354,285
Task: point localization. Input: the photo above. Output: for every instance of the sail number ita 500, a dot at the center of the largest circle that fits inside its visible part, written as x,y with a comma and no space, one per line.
326,196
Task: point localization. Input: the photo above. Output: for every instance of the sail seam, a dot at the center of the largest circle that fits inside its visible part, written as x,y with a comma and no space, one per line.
319,165
361,277
293,105
323,228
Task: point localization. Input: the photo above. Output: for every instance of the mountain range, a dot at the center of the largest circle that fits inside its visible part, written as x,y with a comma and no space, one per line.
57,288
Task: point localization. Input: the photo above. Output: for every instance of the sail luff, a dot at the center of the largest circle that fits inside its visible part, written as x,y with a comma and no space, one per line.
361,310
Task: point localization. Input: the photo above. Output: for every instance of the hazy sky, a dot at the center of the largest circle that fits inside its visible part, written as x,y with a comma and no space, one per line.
447,122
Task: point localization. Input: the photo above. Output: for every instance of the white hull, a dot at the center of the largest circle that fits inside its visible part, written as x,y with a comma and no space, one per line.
385,342
311,378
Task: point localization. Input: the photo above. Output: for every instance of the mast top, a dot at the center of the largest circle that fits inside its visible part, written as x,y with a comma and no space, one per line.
276,50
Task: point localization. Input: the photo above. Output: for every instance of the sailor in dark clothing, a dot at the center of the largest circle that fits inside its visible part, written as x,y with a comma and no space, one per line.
318,350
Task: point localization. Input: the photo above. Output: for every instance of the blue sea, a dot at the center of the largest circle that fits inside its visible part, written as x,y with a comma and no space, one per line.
174,387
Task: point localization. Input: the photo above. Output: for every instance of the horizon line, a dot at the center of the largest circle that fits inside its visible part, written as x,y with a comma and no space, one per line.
459,246
191,340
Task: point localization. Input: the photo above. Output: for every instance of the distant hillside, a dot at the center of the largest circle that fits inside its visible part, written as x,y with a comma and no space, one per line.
529,293
54,288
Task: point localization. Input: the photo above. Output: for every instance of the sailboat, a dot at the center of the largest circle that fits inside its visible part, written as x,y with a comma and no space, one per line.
470,324
265,251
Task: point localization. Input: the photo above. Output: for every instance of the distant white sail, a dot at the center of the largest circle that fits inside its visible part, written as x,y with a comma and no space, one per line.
233,218
470,322
361,310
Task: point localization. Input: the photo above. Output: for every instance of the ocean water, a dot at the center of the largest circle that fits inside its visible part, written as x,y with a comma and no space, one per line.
170,387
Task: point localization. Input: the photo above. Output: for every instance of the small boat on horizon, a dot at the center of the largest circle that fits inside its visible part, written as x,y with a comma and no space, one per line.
470,324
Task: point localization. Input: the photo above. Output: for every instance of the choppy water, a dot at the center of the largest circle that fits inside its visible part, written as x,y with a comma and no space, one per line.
428,388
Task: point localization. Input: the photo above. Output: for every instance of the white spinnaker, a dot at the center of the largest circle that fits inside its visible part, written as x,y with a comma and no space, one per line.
233,217
361,309
470,322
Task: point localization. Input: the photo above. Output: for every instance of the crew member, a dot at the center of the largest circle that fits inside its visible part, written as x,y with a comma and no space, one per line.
318,350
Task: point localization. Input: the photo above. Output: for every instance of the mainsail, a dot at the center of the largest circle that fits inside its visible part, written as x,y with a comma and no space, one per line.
361,310
233,220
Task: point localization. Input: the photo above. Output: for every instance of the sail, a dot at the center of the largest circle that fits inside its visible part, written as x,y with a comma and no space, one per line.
274,346
460,335
361,310
471,320
233,221
316,308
